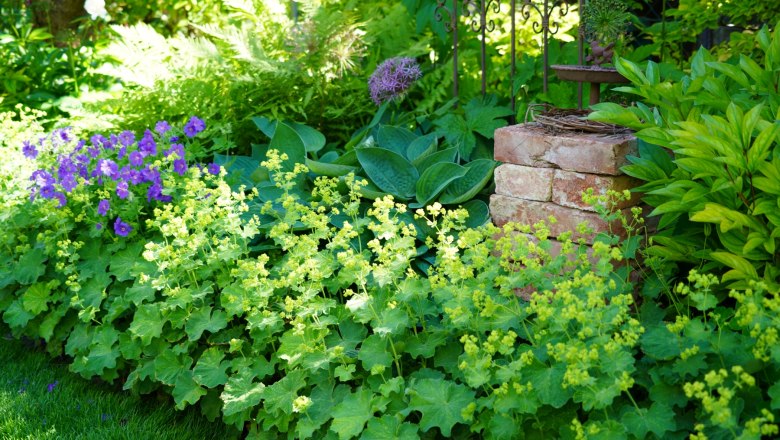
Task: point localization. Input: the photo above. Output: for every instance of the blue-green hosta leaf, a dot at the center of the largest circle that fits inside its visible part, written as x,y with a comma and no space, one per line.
479,213
202,319
286,140
186,391
422,147
241,393
389,427
443,156
147,323
478,174
352,413
329,169
211,370
389,171
313,140
440,402
395,139
267,126
435,179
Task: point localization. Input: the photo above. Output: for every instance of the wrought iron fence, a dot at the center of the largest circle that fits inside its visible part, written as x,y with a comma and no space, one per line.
549,12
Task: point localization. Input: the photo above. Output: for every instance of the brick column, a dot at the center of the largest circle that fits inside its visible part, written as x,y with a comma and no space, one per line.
544,174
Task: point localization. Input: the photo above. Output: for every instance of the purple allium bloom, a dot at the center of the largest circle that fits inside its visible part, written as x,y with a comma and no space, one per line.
61,198
146,145
162,127
126,138
136,158
121,228
213,168
50,387
103,207
194,126
29,150
180,166
121,190
392,78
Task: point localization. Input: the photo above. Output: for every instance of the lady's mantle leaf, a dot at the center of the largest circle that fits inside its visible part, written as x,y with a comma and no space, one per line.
210,369
186,392
202,319
241,393
658,419
351,414
440,402
147,323
389,427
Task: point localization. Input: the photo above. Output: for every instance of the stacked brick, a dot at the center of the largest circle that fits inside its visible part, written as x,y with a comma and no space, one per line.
544,175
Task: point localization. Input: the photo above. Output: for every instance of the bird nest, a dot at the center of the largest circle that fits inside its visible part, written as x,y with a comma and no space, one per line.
557,120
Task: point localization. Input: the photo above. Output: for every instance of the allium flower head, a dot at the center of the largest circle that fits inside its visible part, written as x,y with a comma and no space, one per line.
392,78
121,228
194,126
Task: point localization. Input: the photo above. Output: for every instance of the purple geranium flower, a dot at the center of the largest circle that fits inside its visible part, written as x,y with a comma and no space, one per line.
194,126
121,228
29,150
180,166
177,149
122,190
61,198
213,168
68,182
136,158
162,127
98,226
147,146
108,167
50,387
126,138
103,207
392,78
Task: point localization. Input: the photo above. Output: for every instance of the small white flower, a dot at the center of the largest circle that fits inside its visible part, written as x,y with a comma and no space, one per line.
96,8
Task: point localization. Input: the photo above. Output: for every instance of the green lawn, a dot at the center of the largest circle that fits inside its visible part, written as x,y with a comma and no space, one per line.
40,399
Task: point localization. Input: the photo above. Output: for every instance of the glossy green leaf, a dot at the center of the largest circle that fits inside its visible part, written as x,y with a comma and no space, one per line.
395,139
329,169
287,141
313,140
422,147
435,179
389,171
423,163
478,174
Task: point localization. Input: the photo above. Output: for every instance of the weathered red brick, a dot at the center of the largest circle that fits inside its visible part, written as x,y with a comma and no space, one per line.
524,182
529,145
568,187
504,209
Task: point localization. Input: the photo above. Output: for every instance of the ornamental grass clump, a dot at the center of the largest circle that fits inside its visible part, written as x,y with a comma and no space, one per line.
393,78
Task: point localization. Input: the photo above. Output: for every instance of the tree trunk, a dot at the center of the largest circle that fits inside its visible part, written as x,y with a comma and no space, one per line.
57,15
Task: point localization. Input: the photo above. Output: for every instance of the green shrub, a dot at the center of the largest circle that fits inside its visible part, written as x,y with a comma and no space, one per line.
717,194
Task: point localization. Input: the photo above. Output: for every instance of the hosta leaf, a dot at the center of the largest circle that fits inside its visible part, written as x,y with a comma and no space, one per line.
422,147
329,169
352,413
389,171
479,213
241,393
396,139
312,139
186,391
203,319
478,174
446,156
147,323
287,141
435,179
210,371
440,402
